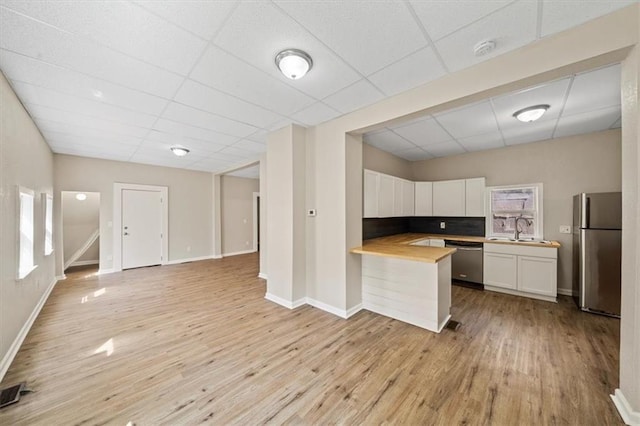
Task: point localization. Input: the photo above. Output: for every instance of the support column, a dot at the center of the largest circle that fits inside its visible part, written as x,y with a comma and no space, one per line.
263,217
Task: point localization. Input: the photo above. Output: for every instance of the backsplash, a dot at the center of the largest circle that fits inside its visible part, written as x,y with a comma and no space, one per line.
381,227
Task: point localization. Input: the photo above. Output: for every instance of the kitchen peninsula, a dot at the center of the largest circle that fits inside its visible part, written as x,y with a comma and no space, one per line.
407,282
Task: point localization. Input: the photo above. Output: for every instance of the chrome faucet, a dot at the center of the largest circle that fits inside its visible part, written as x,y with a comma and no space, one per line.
517,234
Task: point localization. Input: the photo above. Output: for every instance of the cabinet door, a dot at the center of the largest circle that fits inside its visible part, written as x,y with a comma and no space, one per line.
408,195
423,199
449,198
500,270
397,197
370,194
385,195
538,275
474,197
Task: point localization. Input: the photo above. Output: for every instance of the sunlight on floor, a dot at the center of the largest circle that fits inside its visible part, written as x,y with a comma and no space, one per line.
96,293
106,347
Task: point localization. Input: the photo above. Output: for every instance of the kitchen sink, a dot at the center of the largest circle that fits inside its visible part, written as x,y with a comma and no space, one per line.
426,242
520,240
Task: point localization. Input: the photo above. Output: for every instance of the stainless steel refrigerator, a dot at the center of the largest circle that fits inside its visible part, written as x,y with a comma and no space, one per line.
597,246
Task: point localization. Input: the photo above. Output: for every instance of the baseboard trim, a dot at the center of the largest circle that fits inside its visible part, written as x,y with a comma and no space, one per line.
352,311
189,259
565,292
263,276
106,271
84,263
216,256
235,253
520,293
284,302
61,277
629,416
342,313
15,346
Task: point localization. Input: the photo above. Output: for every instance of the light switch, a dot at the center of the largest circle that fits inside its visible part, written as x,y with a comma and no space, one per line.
311,212
565,229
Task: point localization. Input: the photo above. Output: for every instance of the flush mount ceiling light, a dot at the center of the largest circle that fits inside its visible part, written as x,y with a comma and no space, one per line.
531,113
484,47
180,151
294,63
81,196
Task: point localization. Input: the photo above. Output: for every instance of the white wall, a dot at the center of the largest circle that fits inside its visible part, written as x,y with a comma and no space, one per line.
26,160
80,219
190,201
237,213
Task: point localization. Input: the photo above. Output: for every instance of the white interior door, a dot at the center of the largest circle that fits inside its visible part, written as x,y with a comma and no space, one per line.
141,228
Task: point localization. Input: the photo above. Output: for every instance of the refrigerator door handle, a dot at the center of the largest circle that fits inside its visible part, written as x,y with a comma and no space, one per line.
587,212
583,270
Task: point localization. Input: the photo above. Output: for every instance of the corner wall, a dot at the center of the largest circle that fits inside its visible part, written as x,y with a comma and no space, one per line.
237,214
26,160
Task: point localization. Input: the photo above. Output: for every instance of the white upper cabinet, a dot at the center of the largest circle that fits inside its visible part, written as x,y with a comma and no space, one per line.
474,197
424,199
397,197
386,197
370,194
408,197
449,198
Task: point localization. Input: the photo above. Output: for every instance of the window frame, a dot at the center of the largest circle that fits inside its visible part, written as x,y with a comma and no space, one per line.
24,270
537,210
47,206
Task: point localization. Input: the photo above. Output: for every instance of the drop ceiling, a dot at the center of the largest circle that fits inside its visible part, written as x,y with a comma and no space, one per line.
125,80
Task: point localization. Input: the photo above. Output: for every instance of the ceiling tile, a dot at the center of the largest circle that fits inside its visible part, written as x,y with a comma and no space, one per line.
587,122
252,172
559,15
259,136
315,114
445,149
441,18
210,165
360,35
552,94
423,132
354,97
413,154
225,72
84,150
27,70
617,124
195,117
481,142
203,18
386,140
86,132
193,145
416,69
80,120
95,144
251,146
191,132
471,120
530,132
257,31
44,97
203,97
238,152
153,152
122,26
27,37
511,27
594,90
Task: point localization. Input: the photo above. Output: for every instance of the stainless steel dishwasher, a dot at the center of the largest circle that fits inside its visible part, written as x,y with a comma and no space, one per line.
466,262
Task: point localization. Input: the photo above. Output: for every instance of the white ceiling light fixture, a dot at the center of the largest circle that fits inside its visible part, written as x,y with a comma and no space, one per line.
180,151
484,47
532,113
81,197
294,63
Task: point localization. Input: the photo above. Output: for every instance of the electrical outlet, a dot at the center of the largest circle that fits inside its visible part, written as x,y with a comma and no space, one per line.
443,225
311,212
565,229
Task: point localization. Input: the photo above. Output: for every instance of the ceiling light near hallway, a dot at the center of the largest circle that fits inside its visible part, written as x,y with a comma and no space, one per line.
81,197
180,151
530,114
294,63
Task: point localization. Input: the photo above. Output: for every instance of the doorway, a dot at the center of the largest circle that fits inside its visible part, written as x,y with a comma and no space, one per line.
80,229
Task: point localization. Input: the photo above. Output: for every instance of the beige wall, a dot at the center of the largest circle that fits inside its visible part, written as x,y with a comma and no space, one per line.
190,201
264,245
380,161
567,166
80,219
26,160
237,213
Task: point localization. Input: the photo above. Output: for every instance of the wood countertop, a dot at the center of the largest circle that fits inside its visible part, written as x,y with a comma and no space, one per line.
399,246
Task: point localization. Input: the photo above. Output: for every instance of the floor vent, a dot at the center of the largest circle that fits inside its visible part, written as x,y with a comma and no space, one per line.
12,394
453,325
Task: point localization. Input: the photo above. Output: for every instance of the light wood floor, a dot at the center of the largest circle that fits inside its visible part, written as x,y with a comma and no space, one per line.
197,343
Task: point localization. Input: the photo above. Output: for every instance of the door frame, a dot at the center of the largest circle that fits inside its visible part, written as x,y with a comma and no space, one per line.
256,195
117,220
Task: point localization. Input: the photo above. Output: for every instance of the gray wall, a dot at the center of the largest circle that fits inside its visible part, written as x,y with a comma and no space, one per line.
237,213
381,161
190,201
26,160
567,166
79,220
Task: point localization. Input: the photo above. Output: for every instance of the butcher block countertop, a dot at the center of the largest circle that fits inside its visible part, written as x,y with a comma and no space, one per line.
399,246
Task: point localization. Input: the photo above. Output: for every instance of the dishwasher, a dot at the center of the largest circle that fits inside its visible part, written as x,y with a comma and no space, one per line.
466,262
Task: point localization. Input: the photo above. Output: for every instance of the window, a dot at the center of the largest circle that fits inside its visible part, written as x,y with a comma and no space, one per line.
511,204
48,224
25,241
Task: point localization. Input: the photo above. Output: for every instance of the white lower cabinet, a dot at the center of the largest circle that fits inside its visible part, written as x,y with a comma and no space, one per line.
521,270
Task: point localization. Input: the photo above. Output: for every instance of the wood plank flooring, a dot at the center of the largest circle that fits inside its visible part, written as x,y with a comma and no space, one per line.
198,343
